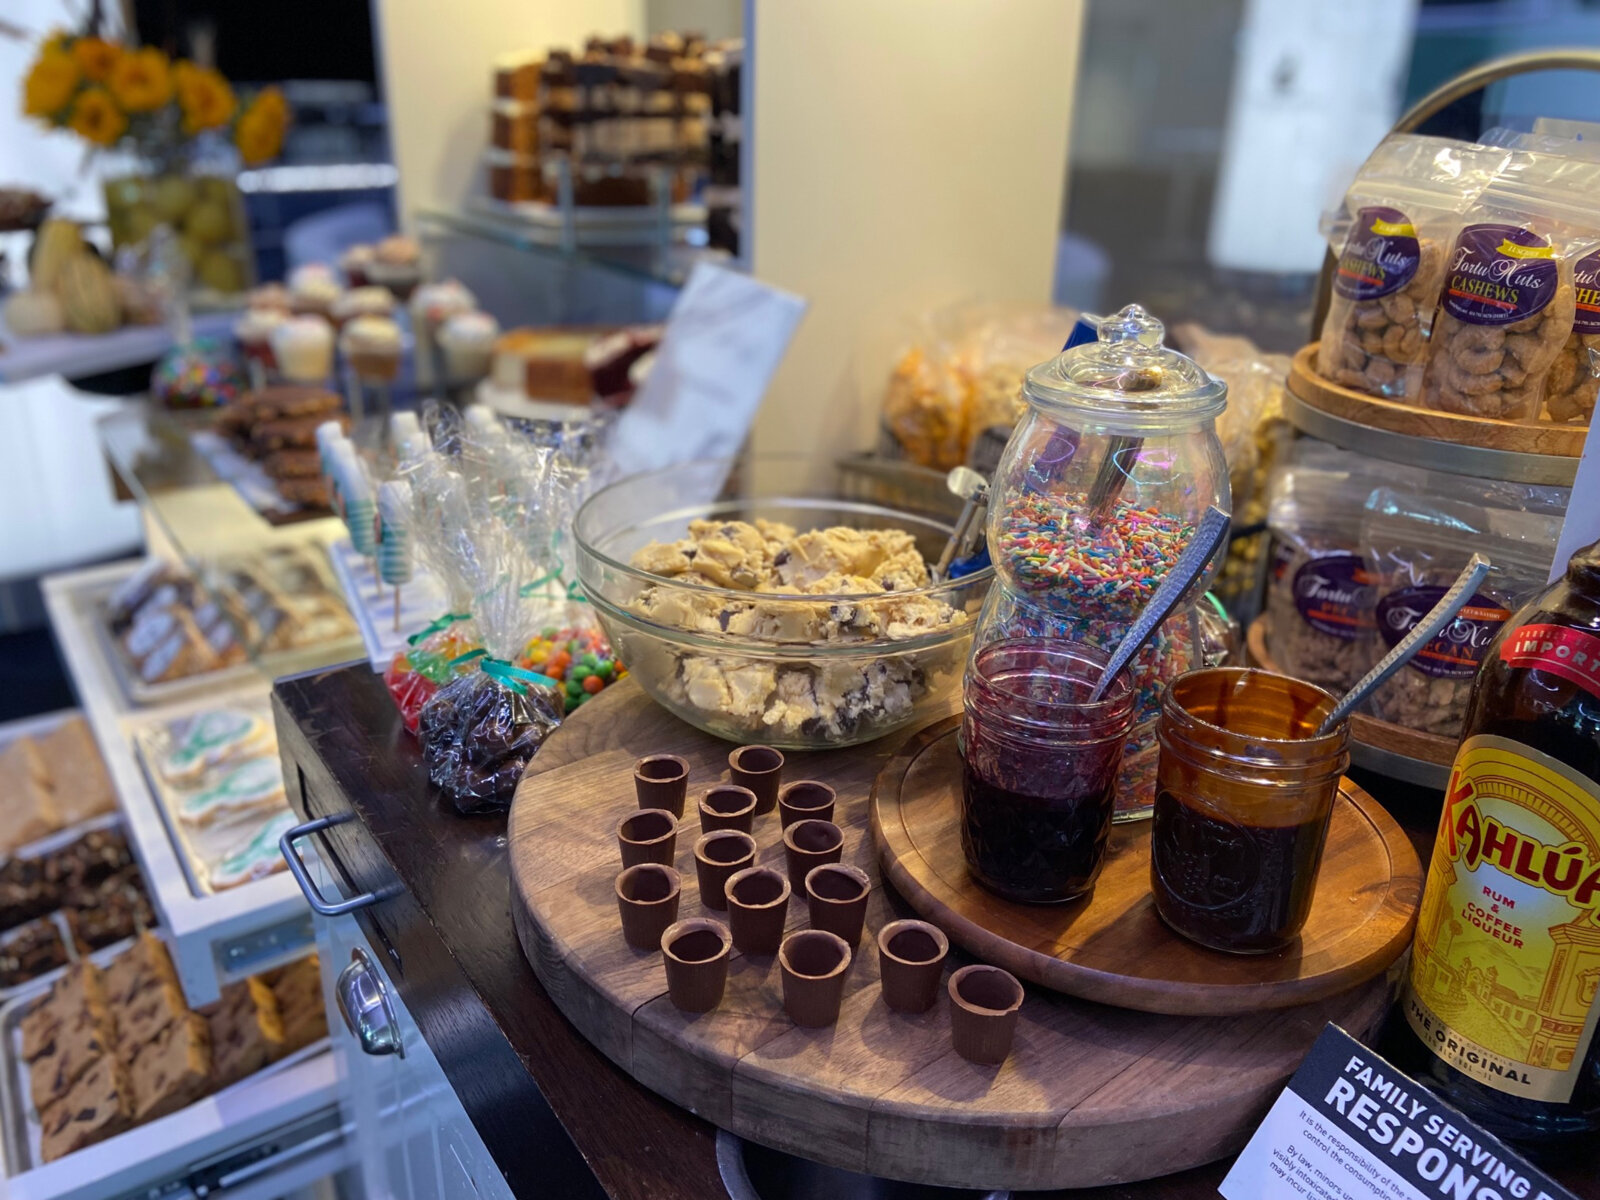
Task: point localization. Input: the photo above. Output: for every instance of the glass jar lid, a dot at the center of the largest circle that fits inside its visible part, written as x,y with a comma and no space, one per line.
1127,377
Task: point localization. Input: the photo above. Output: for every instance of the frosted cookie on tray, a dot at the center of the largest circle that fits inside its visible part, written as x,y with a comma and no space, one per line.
254,855
211,739
256,783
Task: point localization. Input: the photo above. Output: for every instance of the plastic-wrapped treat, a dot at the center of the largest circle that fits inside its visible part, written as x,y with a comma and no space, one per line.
479,730
1508,305
1415,543
1319,591
1400,214
1574,377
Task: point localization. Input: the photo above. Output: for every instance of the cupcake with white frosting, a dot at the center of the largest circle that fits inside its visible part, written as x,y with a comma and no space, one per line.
372,346
363,302
253,331
303,347
396,264
466,340
313,289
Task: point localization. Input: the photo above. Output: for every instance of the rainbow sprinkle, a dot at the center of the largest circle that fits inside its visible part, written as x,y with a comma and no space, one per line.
1107,570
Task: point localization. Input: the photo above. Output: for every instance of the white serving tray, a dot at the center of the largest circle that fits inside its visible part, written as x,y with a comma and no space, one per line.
215,939
371,602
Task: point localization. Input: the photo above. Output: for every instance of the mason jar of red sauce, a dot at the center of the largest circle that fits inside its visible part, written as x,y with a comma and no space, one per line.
1040,767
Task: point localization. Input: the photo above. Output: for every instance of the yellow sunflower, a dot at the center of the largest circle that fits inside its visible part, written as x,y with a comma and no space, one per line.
259,133
259,137
141,80
95,57
205,97
96,117
50,83
270,103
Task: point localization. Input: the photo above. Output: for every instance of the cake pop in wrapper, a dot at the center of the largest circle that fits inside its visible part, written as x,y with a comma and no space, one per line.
393,537
480,729
356,501
402,425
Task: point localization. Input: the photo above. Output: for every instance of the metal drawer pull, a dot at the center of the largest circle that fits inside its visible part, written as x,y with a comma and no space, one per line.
297,868
364,1005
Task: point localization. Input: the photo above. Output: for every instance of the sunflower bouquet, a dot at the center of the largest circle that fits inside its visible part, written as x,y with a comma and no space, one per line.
110,94
173,114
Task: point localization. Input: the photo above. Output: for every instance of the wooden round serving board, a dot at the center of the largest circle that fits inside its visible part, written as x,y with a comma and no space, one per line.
1090,1095
1368,730
1543,437
1111,946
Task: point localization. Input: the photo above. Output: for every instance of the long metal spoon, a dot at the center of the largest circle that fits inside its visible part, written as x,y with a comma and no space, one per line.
1208,536
1423,632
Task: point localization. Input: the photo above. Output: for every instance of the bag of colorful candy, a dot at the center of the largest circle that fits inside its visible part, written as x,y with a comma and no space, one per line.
417,672
495,510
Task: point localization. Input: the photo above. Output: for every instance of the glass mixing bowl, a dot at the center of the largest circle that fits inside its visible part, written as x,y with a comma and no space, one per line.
794,670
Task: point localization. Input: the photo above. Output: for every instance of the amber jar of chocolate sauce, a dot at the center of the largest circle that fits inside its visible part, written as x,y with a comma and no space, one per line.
1244,792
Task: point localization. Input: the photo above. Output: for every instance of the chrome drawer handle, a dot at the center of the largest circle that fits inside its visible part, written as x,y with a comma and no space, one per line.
364,1005
297,868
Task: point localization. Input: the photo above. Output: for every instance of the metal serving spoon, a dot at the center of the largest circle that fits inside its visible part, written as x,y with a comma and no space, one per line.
1208,536
1423,632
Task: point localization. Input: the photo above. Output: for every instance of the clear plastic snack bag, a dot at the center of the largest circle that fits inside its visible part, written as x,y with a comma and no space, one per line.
1320,594
480,728
1391,238
1416,543
1507,304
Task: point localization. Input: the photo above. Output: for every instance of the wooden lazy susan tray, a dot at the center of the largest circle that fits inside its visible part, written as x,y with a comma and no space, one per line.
1374,412
1089,1095
1111,946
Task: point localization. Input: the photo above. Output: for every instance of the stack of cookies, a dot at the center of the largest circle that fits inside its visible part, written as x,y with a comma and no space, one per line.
108,1050
278,427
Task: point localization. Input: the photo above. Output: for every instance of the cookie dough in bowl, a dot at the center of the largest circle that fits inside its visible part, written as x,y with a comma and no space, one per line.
799,622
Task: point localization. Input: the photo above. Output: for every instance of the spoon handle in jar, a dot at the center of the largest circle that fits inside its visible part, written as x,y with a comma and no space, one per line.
1208,536
1423,632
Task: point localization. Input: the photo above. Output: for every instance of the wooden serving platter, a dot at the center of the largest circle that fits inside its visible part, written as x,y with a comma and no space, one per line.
1112,947
1090,1094
1430,748
1489,433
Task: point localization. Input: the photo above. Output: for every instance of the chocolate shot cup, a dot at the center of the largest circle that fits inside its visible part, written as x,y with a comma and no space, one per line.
836,899
717,857
661,781
695,952
728,806
911,957
813,963
649,835
759,768
805,800
808,844
758,906
984,1002
647,899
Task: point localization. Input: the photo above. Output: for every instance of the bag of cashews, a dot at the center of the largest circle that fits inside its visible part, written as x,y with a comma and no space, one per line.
1391,237
1508,300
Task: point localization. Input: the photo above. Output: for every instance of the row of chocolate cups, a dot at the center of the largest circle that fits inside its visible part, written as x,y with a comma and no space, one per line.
984,1000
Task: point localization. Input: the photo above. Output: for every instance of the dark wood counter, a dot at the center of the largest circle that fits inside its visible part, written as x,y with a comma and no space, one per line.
556,1115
